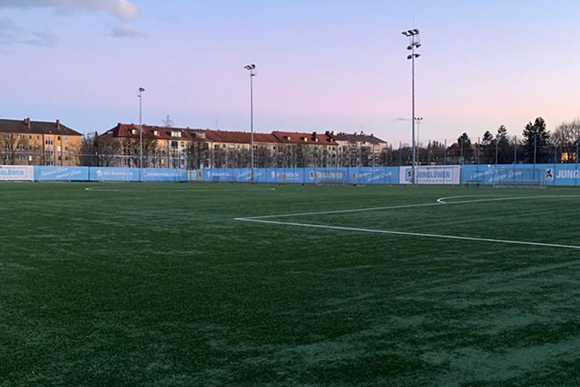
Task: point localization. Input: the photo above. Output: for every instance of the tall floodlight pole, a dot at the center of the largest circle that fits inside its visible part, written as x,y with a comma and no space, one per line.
141,90
414,43
252,69
418,122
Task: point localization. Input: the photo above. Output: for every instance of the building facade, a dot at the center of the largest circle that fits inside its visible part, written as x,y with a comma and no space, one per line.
168,147
27,142
359,149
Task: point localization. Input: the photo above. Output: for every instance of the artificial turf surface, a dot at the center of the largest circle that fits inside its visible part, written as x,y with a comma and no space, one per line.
158,285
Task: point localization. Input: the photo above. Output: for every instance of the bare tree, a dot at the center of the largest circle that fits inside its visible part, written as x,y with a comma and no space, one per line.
13,148
568,133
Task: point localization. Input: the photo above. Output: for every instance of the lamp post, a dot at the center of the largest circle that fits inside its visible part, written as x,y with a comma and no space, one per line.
414,43
141,90
252,69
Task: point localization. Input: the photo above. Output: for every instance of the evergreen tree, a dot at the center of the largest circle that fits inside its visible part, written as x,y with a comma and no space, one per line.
464,143
535,133
487,148
505,152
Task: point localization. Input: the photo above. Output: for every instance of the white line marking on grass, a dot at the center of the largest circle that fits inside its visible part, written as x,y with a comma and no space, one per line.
344,211
499,199
176,190
439,202
409,234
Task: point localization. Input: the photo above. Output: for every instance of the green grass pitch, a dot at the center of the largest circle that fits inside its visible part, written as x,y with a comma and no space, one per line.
160,285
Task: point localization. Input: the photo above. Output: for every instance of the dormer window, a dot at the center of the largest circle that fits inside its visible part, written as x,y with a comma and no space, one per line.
155,133
305,139
288,138
175,133
133,131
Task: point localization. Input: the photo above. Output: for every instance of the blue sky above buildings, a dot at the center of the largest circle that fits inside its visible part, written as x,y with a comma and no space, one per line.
322,65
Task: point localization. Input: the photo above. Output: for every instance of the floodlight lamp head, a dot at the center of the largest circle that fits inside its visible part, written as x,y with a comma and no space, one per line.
410,48
141,90
406,33
416,31
417,45
410,57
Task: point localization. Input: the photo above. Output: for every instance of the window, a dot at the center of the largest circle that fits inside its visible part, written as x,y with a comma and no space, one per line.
37,138
66,148
155,133
133,131
49,142
58,138
30,137
66,138
182,144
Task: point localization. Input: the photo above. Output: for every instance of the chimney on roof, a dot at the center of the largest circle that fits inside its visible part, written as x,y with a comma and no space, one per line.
58,124
27,122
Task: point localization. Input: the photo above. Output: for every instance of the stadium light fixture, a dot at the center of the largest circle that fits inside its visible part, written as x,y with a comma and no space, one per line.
414,36
252,69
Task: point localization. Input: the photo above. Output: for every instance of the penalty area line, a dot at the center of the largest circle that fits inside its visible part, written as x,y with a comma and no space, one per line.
409,234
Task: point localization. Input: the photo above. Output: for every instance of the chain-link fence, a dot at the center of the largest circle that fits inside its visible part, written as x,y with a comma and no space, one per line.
436,152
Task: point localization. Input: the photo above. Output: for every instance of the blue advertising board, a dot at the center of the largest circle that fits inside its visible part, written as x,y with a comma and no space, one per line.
553,174
114,174
61,173
163,175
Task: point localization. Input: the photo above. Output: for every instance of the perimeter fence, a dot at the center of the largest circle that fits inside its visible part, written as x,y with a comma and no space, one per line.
553,174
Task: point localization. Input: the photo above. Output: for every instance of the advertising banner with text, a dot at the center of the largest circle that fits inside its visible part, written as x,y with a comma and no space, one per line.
16,173
448,174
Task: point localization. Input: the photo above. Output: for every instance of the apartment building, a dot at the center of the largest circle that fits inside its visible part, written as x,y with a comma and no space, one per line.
27,142
359,149
168,147
309,149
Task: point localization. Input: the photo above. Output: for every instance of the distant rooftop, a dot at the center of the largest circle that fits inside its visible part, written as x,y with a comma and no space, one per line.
27,126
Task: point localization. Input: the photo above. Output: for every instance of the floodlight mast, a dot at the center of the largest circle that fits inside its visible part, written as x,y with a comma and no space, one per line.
252,69
414,36
141,91
418,121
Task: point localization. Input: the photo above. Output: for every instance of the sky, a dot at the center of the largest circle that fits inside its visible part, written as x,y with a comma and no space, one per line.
322,64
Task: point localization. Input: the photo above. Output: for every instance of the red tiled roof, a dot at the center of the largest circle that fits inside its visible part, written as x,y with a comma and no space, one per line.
227,136
221,136
150,132
36,127
358,138
304,138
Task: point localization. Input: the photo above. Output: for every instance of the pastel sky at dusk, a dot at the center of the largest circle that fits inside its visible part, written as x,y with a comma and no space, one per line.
322,64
